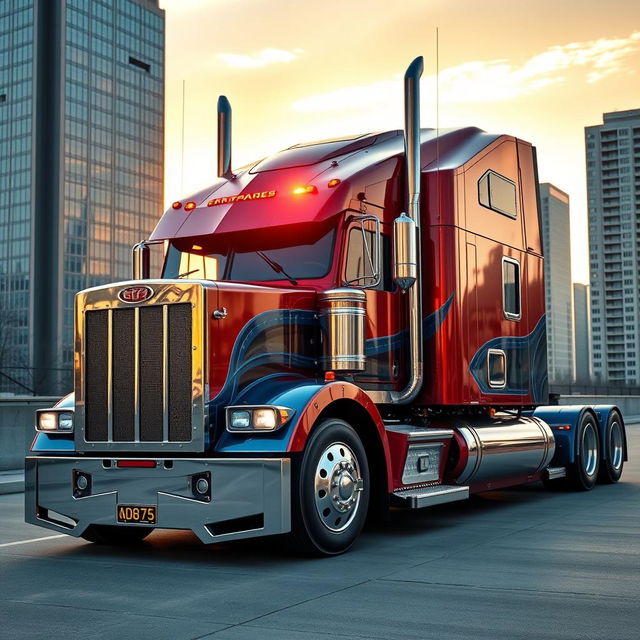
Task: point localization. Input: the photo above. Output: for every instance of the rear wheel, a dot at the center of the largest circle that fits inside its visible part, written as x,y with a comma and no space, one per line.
587,460
613,460
330,490
117,536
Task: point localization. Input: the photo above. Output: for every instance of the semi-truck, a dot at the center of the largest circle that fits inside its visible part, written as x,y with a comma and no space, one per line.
340,329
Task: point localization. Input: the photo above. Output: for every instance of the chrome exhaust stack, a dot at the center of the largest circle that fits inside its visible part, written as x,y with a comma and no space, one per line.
407,267
224,139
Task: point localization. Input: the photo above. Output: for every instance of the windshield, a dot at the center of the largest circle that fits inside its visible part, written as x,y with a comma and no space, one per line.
293,263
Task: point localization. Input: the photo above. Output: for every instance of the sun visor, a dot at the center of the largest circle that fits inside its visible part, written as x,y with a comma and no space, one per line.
257,201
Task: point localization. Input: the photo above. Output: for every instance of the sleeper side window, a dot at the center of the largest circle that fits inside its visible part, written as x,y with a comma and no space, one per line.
498,194
511,288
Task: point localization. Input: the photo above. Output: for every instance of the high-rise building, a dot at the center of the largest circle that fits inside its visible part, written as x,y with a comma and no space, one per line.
613,190
81,167
556,245
582,332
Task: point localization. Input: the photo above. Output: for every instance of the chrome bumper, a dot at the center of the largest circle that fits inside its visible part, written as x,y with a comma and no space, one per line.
249,497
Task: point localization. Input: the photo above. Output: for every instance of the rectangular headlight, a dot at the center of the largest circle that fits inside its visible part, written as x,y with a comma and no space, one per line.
54,421
257,418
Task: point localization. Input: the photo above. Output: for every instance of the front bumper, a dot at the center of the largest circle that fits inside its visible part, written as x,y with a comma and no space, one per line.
250,497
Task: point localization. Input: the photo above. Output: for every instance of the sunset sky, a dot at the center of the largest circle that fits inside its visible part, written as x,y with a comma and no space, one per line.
297,71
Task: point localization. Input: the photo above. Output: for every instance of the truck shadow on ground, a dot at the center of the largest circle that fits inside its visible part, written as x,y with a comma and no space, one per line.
433,527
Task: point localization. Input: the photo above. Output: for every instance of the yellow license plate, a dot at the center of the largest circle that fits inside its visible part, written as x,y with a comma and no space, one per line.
136,514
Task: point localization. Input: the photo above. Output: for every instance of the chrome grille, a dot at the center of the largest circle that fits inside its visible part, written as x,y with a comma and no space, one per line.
140,371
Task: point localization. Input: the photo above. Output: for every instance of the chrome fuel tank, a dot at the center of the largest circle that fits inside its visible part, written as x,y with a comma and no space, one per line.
501,448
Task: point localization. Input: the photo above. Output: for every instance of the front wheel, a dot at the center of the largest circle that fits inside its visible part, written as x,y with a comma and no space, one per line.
330,489
116,536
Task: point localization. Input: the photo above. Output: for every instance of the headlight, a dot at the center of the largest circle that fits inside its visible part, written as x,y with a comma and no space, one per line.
257,418
51,420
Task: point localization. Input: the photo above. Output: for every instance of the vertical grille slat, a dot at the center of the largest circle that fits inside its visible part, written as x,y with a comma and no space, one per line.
180,355
123,375
151,374
151,350
96,380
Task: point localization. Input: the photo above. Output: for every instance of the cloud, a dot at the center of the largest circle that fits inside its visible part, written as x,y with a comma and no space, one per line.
261,59
495,80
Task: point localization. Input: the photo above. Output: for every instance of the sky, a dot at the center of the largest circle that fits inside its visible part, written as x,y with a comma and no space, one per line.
297,71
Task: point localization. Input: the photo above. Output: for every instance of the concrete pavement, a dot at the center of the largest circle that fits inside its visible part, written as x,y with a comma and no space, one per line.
521,563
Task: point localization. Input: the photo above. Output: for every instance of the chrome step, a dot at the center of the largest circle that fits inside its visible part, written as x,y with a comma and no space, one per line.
429,496
553,473
419,433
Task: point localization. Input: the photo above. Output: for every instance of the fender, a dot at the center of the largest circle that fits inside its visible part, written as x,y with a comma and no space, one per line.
308,400
563,416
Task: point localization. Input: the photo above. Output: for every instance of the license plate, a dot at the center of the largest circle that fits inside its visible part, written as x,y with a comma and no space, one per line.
136,514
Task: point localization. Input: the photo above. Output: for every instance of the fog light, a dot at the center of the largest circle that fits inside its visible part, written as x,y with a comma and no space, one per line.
240,419
202,486
81,482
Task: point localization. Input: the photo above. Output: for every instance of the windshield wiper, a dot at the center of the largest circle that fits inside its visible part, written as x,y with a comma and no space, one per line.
188,273
277,268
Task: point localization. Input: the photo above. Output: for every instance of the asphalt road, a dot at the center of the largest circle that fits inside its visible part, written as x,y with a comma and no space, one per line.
523,563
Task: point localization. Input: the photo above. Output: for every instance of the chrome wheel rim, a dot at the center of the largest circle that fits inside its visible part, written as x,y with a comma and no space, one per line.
338,487
616,445
589,449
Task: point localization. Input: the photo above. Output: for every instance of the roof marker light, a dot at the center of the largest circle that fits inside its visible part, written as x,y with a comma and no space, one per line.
190,206
333,183
196,247
176,205
309,188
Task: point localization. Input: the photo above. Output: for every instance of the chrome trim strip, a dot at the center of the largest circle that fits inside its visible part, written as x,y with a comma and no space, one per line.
136,374
109,375
165,373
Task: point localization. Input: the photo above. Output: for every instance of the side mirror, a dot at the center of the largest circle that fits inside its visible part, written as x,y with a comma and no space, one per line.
363,256
405,252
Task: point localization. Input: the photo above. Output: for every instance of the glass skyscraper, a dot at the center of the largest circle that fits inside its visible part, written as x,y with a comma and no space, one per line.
81,167
556,243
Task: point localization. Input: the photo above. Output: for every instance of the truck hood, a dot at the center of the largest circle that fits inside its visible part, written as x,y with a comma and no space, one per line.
259,332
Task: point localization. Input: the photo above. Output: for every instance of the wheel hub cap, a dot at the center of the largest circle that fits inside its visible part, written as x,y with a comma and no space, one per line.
338,485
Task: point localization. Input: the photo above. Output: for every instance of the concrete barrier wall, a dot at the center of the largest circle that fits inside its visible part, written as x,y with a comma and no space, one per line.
629,405
17,417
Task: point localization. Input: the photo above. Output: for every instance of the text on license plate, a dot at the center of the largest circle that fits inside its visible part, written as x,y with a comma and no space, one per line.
139,514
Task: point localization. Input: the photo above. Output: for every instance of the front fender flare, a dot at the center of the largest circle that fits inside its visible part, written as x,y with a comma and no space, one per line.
308,401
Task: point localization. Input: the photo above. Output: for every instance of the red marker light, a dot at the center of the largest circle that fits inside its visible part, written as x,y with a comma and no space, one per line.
330,376
136,464
306,189
333,183
176,205
190,206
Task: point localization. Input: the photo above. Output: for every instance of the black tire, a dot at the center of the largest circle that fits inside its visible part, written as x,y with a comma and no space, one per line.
327,518
585,469
613,453
117,536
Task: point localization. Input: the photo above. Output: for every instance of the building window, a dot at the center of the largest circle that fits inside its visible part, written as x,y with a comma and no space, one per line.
498,194
138,63
3,97
511,288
